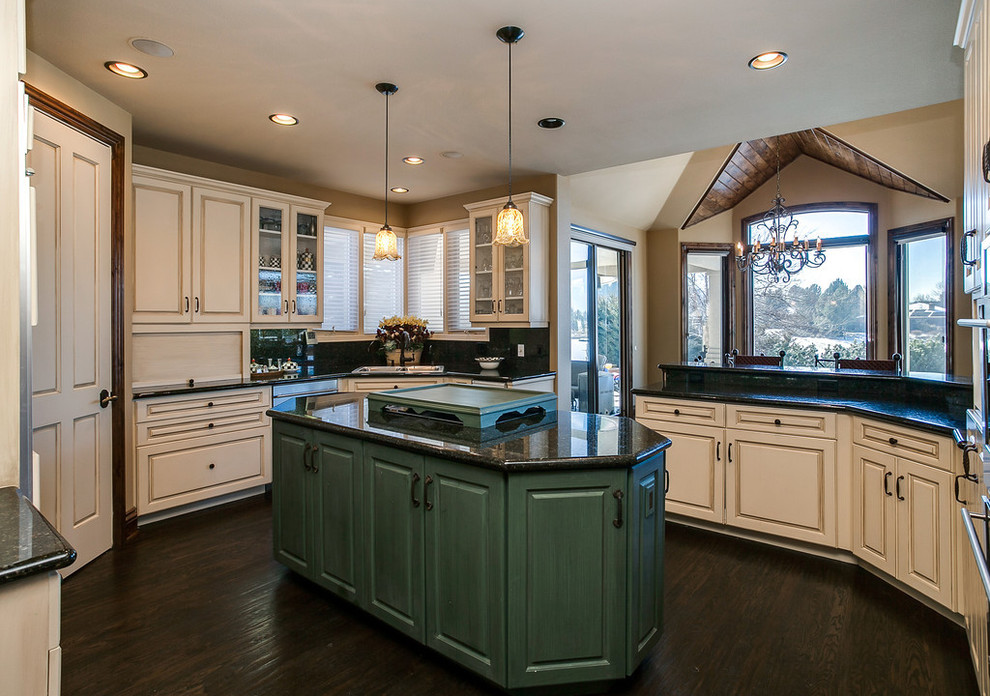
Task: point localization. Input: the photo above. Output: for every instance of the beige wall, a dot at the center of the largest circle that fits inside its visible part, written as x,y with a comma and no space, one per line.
452,207
925,144
51,80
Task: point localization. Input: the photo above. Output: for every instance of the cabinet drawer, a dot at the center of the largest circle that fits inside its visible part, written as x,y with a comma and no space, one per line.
904,442
784,421
676,411
370,385
171,474
149,433
203,404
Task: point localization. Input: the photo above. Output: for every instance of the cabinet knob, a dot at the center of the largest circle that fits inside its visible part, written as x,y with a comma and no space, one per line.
892,440
212,465
210,425
677,411
776,421
209,404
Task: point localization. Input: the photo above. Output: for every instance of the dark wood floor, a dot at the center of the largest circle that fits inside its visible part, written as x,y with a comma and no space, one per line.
197,606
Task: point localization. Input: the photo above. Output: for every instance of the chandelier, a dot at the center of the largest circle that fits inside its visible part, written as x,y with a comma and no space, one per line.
771,255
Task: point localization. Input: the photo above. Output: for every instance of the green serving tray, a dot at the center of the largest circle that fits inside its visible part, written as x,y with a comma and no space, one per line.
472,405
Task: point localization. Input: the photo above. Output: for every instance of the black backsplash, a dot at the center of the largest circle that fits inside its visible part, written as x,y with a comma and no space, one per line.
343,356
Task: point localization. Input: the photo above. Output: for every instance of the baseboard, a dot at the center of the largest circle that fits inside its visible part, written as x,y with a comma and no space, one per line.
130,524
200,505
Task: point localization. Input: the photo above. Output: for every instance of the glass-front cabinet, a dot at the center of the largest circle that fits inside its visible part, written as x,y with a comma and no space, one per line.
510,285
288,254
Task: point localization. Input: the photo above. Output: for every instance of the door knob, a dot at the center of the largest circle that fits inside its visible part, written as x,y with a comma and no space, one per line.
106,398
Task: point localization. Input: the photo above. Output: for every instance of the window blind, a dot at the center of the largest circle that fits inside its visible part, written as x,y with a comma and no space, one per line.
424,275
383,286
458,285
340,279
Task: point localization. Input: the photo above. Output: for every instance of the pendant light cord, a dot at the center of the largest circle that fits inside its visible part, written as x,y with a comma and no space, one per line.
510,122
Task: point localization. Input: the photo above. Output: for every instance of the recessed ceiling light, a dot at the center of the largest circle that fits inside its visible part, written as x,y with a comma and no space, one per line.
123,69
770,59
283,119
550,123
451,154
152,48
413,160
399,189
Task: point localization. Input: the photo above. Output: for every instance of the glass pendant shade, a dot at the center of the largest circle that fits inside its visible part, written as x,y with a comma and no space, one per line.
386,245
509,226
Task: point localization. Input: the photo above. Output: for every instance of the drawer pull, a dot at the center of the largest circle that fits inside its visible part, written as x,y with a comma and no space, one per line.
677,411
210,425
776,421
892,440
212,465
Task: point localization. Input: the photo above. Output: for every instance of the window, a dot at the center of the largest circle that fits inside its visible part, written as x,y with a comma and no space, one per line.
921,269
340,279
820,311
458,287
706,286
383,285
425,278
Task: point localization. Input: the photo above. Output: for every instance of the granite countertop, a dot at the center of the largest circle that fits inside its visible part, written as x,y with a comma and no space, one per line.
28,543
501,375
549,443
915,414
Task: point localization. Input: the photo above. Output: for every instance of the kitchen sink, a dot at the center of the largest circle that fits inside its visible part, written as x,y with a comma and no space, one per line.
398,370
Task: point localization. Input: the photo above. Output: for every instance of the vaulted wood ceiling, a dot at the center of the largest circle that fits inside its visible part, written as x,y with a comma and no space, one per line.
752,164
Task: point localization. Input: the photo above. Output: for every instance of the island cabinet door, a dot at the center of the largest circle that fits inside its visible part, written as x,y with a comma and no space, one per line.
644,541
465,565
336,510
567,577
394,572
291,481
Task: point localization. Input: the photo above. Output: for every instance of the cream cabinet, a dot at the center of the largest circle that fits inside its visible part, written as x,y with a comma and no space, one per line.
904,513
30,655
510,285
288,257
191,252
696,470
191,447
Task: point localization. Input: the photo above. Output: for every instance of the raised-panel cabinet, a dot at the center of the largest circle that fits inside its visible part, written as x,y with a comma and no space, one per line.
336,465
696,467
292,525
162,251
220,258
509,285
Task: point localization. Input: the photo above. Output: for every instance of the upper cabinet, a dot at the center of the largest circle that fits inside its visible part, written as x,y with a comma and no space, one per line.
510,285
288,257
206,251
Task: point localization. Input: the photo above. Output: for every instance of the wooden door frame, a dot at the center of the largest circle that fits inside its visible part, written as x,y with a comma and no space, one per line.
895,282
123,528
728,293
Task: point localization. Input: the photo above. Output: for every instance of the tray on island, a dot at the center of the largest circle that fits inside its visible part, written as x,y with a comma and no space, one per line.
470,405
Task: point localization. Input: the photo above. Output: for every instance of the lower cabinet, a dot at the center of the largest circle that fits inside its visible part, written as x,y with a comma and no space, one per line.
528,579
696,466
903,520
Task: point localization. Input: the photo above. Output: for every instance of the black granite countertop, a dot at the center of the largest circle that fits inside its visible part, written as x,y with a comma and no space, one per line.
502,375
28,543
554,442
916,413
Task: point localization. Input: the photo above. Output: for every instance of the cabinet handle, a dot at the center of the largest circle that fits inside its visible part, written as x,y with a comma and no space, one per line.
730,451
886,482
312,458
964,247
426,492
306,465
197,305
892,440
187,304
293,306
666,482
214,466
493,306
286,307
500,306
415,480
617,522
897,487
677,411
958,499
718,447
776,421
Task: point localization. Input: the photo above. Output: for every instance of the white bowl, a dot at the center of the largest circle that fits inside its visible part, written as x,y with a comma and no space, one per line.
488,363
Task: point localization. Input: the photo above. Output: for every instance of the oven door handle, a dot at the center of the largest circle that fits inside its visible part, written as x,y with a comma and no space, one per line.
977,548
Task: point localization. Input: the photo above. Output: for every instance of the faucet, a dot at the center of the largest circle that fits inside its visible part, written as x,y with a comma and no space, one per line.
403,342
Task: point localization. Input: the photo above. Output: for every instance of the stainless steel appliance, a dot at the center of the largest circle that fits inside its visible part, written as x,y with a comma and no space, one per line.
282,392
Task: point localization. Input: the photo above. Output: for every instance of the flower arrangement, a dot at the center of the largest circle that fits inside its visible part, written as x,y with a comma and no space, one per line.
390,330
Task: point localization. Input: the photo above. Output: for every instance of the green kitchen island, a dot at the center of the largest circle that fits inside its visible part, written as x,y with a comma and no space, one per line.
530,553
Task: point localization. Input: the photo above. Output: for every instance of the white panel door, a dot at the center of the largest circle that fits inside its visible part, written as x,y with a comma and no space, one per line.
72,348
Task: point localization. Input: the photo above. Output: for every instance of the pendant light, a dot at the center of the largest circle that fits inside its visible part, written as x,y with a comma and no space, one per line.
386,245
509,224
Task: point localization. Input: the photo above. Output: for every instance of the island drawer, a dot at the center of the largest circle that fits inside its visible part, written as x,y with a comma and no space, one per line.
784,421
370,385
203,404
170,475
151,432
912,444
677,411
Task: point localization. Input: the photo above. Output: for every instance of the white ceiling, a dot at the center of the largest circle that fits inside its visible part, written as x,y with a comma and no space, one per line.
635,80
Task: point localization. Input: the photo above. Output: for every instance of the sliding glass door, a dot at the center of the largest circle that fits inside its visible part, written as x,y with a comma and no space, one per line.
600,381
